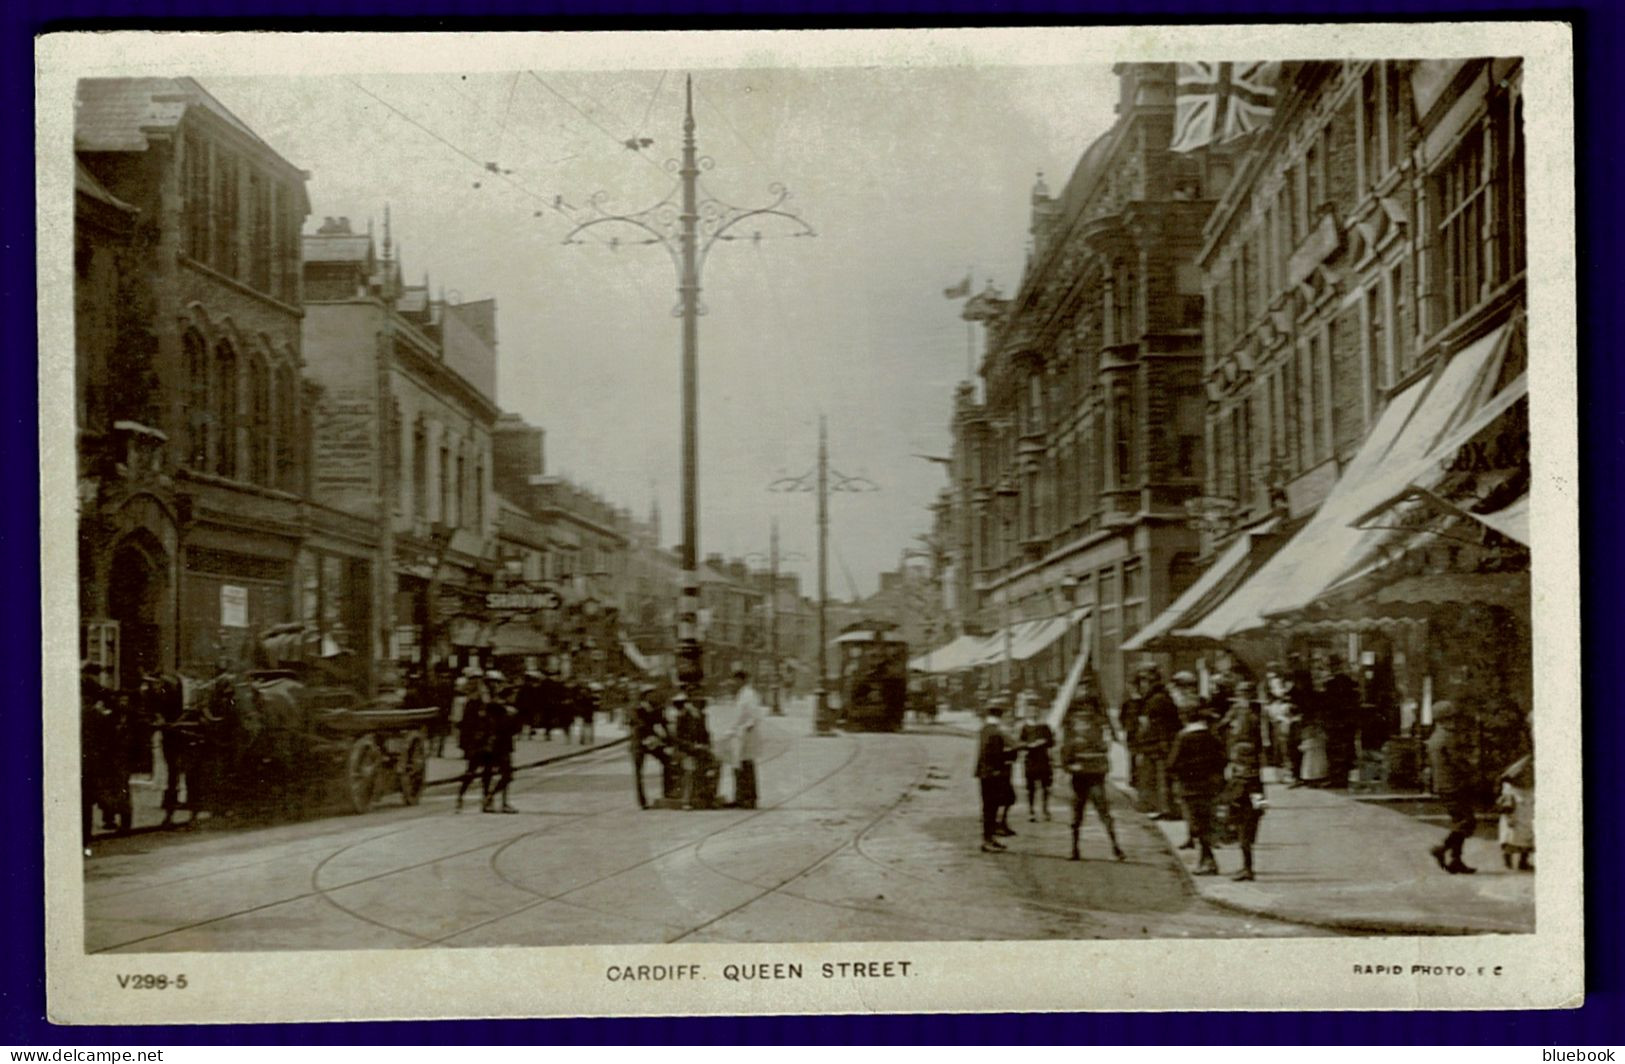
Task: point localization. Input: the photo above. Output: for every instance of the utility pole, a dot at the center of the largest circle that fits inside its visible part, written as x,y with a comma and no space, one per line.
773,559
818,480
688,234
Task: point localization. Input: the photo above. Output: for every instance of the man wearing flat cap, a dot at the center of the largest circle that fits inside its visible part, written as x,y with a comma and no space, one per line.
1451,760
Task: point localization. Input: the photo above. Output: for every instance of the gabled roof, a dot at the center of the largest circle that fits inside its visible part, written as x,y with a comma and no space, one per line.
116,114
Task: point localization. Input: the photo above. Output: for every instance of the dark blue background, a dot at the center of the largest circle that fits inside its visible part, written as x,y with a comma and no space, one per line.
1600,59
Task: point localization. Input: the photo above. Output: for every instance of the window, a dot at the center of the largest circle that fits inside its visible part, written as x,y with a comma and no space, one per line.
479,495
1125,308
224,215
226,400
1400,324
1239,432
445,484
1123,435
1378,370
287,429
259,234
1370,125
420,470
1392,109
195,189
1313,423
1464,225
258,439
1314,181
1133,597
1189,411
1035,403
290,246
198,407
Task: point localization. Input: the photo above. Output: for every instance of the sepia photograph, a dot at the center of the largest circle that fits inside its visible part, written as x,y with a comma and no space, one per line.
896,490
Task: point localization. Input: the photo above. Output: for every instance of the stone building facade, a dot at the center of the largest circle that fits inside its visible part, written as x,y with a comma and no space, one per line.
1076,452
402,439
193,408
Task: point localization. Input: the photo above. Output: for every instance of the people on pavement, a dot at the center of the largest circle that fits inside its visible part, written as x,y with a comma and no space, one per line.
744,739
1451,760
1162,724
1340,712
503,724
1010,727
993,761
1280,706
1243,798
1196,764
699,761
474,738
1037,769
1086,734
1185,695
1516,829
646,739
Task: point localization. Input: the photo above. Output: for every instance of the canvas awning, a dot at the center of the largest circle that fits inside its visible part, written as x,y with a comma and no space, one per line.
1400,449
1512,521
1245,554
518,639
952,656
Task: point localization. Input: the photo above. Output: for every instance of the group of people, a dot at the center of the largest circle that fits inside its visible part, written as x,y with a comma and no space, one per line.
1084,752
1203,754
675,733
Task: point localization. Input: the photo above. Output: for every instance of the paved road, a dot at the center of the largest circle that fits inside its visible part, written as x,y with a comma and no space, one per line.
858,838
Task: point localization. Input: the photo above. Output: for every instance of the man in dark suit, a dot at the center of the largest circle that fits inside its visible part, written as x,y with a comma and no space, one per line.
1196,763
646,740
993,762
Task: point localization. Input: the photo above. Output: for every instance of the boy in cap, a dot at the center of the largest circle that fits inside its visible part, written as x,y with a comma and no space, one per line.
992,774
1085,751
1452,782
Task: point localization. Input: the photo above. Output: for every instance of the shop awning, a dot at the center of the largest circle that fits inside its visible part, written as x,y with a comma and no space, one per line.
1245,554
1511,521
1399,450
518,639
952,656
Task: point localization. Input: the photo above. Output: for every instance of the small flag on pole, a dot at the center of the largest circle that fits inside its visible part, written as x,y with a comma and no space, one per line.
958,291
1215,103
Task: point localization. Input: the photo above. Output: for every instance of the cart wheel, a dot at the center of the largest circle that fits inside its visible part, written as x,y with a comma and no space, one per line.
362,772
414,766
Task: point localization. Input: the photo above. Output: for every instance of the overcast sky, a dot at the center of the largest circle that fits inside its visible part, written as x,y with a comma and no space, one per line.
910,176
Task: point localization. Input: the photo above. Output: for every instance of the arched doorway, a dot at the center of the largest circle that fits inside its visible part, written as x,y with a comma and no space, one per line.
137,580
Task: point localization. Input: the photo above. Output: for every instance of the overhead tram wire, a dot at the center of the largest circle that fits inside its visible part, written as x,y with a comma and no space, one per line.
620,142
484,168
643,123
720,113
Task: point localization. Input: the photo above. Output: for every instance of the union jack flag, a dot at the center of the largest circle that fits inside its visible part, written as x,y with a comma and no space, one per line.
1215,103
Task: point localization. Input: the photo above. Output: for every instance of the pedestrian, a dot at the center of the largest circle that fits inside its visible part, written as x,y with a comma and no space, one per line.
1315,769
1162,721
1340,711
699,761
502,724
1185,696
1037,769
1243,799
645,738
1086,734
1453,783
474,739
1010,728
992,773
1196,763
1282,714
744,740
1516,830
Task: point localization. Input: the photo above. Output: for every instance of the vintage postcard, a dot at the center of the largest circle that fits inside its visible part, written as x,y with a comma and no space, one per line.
952,520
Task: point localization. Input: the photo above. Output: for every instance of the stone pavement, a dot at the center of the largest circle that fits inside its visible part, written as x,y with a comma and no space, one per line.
1329,859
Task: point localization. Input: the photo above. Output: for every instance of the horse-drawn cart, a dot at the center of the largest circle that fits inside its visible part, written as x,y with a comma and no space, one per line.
385,750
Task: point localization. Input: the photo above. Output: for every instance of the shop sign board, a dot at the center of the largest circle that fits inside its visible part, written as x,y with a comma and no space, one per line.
524,600
233,606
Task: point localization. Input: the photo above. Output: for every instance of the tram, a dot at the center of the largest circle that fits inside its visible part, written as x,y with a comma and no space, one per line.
873,677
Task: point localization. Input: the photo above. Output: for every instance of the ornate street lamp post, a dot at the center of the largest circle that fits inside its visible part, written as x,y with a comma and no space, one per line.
688,226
